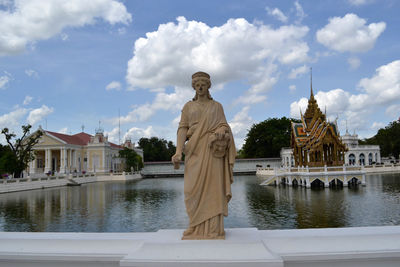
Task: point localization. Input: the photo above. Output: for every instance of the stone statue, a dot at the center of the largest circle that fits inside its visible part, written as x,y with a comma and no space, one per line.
206,139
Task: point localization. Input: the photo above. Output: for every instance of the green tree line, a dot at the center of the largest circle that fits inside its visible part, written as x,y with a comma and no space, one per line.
133,161
14,157
387,138
265,139
156,149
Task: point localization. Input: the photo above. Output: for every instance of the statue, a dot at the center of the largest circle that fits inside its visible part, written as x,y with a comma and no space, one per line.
206,139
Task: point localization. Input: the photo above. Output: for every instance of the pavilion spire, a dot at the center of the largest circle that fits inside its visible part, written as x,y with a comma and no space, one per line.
312,93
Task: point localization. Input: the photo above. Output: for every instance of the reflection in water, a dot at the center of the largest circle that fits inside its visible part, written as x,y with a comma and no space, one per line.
153,204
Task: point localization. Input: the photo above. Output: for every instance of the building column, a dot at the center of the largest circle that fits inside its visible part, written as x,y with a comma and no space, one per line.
326,182
47,161
63,156
32,166
87,167
103,165
307,182
62,170
74,160
69,160
345,182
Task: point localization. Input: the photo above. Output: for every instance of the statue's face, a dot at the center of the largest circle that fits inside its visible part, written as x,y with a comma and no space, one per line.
201,86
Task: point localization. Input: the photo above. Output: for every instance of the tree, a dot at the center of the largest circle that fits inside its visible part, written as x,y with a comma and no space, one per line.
21,149
265,139
7,160
155,149
388,139
132,159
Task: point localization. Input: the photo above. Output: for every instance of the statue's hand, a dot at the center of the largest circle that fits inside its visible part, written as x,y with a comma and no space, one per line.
176,159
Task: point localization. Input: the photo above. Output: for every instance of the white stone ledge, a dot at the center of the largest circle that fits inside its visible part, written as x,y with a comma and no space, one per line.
17,186
360,246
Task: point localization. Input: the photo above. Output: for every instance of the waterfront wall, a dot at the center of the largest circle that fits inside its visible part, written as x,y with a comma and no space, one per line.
22,184
359,246
241,166
382,168
367,169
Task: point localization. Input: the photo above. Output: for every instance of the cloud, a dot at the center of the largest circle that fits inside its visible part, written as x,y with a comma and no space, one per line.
162,101
393,111
63,130
300,14
11,120
28,99
350,34
277,14
114,85
377,92
170,55
64,36
292,88
354,62
240,125
28,21
359,2
4,80
297,106
38,114
32,73
133,133
377,125
5,3
122,31
297,72
384,87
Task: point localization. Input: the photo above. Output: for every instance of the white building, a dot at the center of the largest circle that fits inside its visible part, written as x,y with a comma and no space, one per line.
360,154
356,154
287,157
82,152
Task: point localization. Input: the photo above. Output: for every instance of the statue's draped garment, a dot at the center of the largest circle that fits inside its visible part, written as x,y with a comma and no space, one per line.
207,182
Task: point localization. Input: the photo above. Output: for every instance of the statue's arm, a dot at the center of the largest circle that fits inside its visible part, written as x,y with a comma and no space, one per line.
180,141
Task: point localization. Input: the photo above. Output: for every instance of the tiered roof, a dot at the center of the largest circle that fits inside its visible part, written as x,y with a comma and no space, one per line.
313,126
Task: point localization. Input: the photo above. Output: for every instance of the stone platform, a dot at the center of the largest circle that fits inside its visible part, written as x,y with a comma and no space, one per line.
365,246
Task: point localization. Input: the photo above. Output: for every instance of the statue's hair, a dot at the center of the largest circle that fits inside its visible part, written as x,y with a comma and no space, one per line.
195,79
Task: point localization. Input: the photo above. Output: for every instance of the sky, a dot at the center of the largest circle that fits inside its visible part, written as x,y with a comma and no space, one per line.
68,65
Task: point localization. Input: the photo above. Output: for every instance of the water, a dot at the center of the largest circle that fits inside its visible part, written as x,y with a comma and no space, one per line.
153,204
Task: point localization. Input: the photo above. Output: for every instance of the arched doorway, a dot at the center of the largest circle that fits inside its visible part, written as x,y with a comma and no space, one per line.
317,183
370,159
352,159
362,159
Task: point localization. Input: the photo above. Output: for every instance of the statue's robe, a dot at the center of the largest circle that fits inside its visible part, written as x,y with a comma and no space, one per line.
207,182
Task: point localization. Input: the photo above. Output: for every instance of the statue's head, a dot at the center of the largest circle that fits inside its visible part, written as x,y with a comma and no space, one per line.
201,77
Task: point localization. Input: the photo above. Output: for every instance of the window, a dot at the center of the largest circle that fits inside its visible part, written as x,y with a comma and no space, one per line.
352,159
362,159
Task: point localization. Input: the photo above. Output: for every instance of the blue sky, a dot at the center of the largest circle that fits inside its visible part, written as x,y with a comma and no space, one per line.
64,64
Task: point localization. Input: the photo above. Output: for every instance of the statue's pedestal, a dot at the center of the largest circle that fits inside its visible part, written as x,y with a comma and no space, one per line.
358,246
242,247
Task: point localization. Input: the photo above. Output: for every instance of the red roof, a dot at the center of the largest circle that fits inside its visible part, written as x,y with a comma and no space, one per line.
81,139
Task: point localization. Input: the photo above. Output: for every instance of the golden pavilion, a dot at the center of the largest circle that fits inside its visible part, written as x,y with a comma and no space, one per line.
314,140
